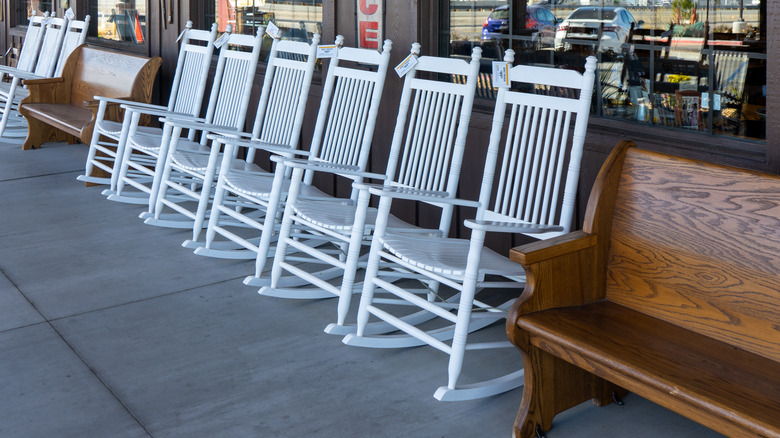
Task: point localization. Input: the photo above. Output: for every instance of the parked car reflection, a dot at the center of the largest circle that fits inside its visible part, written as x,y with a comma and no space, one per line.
586,22
538,18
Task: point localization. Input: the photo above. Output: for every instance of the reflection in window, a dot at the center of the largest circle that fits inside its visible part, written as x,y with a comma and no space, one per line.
696,65
298,20
25,9
118,21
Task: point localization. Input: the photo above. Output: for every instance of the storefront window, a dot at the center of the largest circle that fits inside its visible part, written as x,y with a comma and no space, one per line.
118,20
696,65
25,9
298,20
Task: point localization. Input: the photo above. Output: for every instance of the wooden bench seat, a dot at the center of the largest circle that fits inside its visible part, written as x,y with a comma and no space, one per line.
640,350
64,108
671,291
68,118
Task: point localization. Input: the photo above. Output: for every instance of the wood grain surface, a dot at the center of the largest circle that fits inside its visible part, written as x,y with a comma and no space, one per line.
671,290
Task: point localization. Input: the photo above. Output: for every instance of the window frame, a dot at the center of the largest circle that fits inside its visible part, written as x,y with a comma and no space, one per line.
126,46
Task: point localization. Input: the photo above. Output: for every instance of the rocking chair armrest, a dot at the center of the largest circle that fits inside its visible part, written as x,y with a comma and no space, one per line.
24,75
510,227
141,107
432,196
200,124
353,172
281,150
161,112
7,69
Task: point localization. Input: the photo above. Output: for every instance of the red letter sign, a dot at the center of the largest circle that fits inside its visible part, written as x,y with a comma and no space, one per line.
370,23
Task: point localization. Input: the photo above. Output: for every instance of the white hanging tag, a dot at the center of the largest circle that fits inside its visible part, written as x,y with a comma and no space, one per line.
406,65
70,15
272,30
501,74
181,35
330,51
222,40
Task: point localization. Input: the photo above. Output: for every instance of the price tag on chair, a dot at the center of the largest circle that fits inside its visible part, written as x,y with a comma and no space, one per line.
70,15
273,30
406,65
501,74
329,51
222,40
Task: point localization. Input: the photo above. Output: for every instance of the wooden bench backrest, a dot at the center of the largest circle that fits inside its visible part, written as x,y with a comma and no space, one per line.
95,72
698,245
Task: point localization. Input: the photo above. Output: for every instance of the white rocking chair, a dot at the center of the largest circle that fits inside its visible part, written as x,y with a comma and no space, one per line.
59,38
342,137
187,90
145,154
286,85
426,154
534,195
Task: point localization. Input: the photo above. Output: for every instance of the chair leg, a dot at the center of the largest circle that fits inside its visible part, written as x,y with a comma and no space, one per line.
284,231
131,119
213,223
8,105
353,256
464,307
162,159
205,192
271,216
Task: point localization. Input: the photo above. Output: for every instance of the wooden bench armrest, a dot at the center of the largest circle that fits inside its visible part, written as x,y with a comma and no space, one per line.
47,90
560,272
542,250
94,103
41,81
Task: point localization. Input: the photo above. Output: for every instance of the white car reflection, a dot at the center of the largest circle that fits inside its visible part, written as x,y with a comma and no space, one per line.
586,23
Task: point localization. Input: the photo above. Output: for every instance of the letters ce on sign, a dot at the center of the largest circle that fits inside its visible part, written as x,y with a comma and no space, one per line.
370,23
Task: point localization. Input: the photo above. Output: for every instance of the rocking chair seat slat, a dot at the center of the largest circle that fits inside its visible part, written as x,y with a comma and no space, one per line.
115,128
253,184
446,256
151,142
341,217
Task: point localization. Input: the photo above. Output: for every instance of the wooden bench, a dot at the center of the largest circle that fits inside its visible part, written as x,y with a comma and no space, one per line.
671,291
64,109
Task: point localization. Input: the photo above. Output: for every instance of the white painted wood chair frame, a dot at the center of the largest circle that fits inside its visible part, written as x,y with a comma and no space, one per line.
28,55
534,195
31,45
341,142
426,154
49,40
277,129
75,35
271,126
186,99
144,156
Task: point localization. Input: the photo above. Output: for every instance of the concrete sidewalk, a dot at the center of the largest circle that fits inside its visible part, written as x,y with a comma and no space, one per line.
109,328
